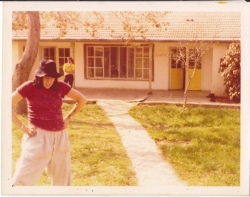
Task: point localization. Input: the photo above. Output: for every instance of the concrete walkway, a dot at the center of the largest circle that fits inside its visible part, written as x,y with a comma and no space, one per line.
148,162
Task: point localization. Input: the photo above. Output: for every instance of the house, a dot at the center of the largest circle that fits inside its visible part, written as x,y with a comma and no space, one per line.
108,59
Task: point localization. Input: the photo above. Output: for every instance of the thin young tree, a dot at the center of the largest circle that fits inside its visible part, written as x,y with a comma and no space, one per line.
184,54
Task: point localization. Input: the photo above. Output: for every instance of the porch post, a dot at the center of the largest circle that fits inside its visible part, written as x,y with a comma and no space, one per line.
150,69
72,45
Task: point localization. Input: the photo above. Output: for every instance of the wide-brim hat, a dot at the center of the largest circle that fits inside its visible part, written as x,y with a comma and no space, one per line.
47,68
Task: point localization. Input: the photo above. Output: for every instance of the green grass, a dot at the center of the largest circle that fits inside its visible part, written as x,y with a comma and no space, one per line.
202,144
97,154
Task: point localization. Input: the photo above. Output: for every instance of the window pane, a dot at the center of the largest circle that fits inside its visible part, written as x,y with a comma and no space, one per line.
67,52
90,72
52,53
146,63
46,53
99,51
138,73
98,62
191,64
131,63
123,62
198,65
138,63
173,63
146,52
61,61
138,52
90,51
176,61
114,62
90,62
99,72
145,74
61,52
106,62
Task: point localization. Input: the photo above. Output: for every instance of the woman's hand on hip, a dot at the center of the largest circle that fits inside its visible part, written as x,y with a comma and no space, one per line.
30,131
66,121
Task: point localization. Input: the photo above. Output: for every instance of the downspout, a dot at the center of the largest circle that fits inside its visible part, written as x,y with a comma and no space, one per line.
150,69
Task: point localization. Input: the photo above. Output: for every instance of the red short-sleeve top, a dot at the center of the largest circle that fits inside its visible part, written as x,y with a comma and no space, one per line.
44,105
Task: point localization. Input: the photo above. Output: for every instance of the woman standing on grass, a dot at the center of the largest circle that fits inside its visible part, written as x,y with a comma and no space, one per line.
45,143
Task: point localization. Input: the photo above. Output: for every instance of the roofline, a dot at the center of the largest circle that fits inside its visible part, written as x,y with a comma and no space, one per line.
148,40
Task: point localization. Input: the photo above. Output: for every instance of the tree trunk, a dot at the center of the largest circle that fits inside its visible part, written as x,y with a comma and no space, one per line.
187,75
24,66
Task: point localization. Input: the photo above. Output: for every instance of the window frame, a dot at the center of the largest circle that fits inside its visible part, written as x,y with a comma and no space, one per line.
64,57
131,56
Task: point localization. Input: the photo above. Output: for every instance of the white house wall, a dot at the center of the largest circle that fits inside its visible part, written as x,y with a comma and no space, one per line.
161,66
207,65
210,62
218,87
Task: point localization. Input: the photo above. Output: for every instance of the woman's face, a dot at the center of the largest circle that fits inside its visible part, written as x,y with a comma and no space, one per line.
48,81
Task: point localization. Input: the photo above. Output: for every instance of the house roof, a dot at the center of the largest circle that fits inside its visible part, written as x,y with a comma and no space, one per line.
185,26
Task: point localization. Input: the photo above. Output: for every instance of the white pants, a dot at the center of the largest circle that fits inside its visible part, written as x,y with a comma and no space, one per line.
47,150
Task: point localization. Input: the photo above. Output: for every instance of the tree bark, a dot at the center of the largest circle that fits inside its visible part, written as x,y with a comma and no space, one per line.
24,66
187,75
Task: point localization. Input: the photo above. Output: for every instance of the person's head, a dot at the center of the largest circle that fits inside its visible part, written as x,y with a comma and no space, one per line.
46,75
69,60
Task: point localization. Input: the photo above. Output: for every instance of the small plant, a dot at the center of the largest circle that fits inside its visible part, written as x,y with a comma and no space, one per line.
230,70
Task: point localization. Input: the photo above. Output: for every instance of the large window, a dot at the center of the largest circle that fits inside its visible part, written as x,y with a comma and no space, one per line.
63,54
119,62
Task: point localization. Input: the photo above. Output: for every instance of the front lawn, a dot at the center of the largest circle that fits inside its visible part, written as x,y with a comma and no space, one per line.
202,144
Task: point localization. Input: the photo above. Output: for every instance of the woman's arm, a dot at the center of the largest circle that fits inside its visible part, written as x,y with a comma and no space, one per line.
16,97
80,102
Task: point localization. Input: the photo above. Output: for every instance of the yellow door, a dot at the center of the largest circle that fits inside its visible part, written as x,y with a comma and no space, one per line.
176,72
176,79
196,80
